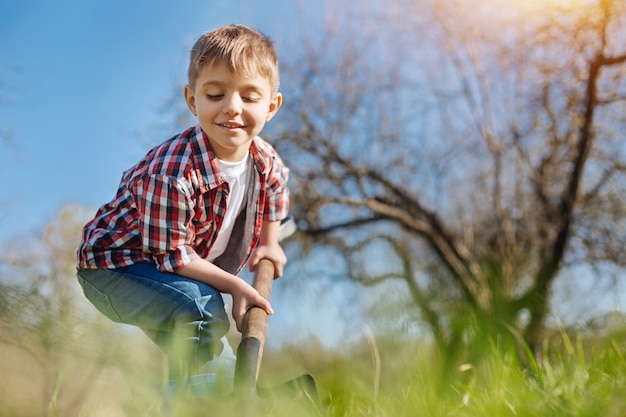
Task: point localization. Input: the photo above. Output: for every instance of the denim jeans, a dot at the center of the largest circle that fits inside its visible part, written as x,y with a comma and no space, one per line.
184,317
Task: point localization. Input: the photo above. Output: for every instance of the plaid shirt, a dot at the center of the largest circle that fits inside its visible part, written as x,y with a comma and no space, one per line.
170,206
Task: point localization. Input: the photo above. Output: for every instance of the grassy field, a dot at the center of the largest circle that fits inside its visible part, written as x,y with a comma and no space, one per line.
90,367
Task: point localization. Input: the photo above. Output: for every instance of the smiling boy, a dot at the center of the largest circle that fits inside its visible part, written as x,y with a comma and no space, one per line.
190,214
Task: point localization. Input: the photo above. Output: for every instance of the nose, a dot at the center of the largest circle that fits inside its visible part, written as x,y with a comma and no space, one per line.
232,105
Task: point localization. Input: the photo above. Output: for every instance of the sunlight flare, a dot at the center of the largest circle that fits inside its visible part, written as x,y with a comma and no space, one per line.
537,5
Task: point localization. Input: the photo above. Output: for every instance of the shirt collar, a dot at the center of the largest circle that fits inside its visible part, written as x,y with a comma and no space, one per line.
207,161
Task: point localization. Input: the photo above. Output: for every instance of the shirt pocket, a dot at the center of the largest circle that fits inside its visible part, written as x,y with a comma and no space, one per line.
205,227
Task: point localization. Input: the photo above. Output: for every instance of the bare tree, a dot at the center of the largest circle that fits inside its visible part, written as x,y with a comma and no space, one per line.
473,152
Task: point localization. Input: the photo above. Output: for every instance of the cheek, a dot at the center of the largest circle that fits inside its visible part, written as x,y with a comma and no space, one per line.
205,110
260,117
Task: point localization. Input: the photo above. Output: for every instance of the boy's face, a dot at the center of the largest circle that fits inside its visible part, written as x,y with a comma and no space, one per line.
231,109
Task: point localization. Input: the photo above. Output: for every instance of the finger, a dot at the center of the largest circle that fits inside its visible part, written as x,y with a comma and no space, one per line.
279,267
278,270
265,305
253,262
239,323
239,320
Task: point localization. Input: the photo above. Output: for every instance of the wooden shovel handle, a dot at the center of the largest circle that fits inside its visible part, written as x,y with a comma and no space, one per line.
250,349
255,320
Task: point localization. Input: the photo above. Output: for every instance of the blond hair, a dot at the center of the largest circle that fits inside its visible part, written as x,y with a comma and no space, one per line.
244,50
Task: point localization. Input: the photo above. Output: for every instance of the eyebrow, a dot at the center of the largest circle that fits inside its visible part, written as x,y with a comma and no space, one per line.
218,83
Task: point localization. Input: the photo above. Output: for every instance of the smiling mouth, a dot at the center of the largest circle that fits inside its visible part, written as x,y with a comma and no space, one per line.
231,125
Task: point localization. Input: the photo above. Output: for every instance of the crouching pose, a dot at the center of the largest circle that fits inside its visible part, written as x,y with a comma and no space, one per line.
196,209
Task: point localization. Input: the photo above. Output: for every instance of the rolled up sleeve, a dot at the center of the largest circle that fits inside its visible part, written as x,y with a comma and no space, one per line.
165,212
277,198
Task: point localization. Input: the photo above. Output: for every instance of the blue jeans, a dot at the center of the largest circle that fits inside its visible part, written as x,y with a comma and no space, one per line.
184,317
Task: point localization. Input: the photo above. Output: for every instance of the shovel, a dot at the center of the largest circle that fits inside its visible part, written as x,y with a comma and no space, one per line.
250,350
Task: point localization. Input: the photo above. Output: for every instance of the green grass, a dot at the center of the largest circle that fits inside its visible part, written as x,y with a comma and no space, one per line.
97,368
414,381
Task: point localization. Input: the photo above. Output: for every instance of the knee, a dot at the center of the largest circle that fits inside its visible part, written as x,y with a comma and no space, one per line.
205,327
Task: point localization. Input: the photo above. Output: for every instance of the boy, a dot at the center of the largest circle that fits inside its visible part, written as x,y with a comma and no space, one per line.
196,209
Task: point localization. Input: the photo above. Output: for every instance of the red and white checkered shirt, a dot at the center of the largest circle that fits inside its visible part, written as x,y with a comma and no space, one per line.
170,206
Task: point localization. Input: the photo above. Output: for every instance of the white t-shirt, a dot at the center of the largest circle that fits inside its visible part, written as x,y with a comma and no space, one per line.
236,175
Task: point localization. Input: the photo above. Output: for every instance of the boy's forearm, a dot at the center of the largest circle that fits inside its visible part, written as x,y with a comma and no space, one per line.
204,271
269,232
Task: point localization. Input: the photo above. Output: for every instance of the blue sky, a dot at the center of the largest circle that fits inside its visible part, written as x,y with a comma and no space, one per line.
79,78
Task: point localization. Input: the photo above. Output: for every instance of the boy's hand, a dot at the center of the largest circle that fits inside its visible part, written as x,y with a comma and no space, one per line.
244,298
244,295
272,252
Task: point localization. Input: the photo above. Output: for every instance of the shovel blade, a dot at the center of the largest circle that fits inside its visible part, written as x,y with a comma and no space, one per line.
301,387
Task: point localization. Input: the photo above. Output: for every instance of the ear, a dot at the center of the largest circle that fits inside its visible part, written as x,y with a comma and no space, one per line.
275,104
190,98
